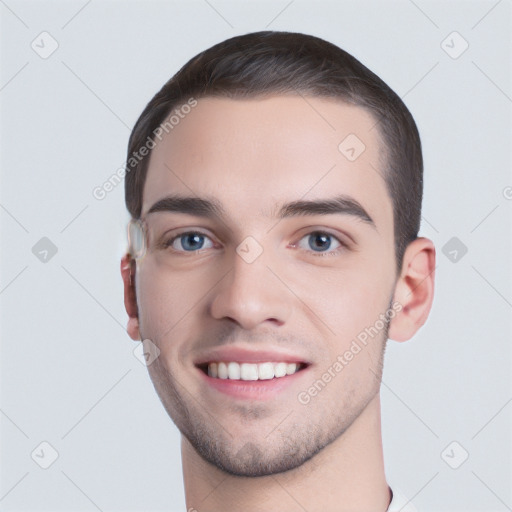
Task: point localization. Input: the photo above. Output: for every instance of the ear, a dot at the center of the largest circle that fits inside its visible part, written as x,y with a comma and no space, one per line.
414,289
128,268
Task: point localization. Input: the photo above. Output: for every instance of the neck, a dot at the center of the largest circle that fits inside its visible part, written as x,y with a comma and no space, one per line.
347,475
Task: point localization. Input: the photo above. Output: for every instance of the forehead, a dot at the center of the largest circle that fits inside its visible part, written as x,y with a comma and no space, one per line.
254,154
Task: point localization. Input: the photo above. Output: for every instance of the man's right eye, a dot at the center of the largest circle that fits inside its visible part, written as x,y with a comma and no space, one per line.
189,241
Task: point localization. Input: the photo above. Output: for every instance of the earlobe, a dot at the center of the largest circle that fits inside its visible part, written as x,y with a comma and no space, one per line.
128,269
414,289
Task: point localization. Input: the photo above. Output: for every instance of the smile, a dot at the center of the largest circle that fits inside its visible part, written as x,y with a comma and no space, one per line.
251,371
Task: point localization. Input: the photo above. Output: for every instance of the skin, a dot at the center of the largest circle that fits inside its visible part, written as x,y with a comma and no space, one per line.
252,156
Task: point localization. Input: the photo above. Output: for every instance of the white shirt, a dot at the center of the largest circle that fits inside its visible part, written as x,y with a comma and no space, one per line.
399,503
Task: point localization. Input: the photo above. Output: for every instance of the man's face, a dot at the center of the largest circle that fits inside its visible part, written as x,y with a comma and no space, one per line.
300,289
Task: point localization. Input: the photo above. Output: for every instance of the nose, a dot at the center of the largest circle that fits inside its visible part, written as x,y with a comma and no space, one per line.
251,295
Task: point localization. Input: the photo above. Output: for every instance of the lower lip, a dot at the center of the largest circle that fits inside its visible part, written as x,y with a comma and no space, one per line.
252,389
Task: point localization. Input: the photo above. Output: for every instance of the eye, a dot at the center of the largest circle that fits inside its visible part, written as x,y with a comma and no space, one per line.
320,242
191,241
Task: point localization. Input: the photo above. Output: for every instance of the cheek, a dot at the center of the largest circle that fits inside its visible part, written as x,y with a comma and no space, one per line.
163,299
170,304
347,301
350,305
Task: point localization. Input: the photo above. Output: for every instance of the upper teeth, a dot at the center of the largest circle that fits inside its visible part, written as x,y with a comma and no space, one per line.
251,371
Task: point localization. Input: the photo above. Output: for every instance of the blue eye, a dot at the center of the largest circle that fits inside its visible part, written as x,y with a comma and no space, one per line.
320,242
190,242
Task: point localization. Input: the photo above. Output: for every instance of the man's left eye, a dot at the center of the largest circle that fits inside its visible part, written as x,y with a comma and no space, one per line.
319,241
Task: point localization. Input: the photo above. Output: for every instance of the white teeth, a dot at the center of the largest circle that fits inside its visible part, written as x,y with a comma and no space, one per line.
248,371
266,371
212,370
234,371
291,368
222,371
251,371
280,369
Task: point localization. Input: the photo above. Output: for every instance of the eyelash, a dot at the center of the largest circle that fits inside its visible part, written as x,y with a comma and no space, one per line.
342,247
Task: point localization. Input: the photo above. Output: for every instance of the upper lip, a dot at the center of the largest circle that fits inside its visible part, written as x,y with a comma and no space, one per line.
243,355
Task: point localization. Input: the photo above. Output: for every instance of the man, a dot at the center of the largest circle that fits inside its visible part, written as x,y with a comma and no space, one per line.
275,187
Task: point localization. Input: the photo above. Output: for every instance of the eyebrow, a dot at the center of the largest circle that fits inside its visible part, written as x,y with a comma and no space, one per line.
209,208
343,205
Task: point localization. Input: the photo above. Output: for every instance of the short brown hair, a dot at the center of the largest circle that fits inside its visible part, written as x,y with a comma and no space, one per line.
263,63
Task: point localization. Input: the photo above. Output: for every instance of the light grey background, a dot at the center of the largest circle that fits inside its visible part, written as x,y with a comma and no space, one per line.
68,373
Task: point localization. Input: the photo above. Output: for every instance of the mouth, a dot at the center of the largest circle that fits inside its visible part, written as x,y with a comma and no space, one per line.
246,375
250,372
251,381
